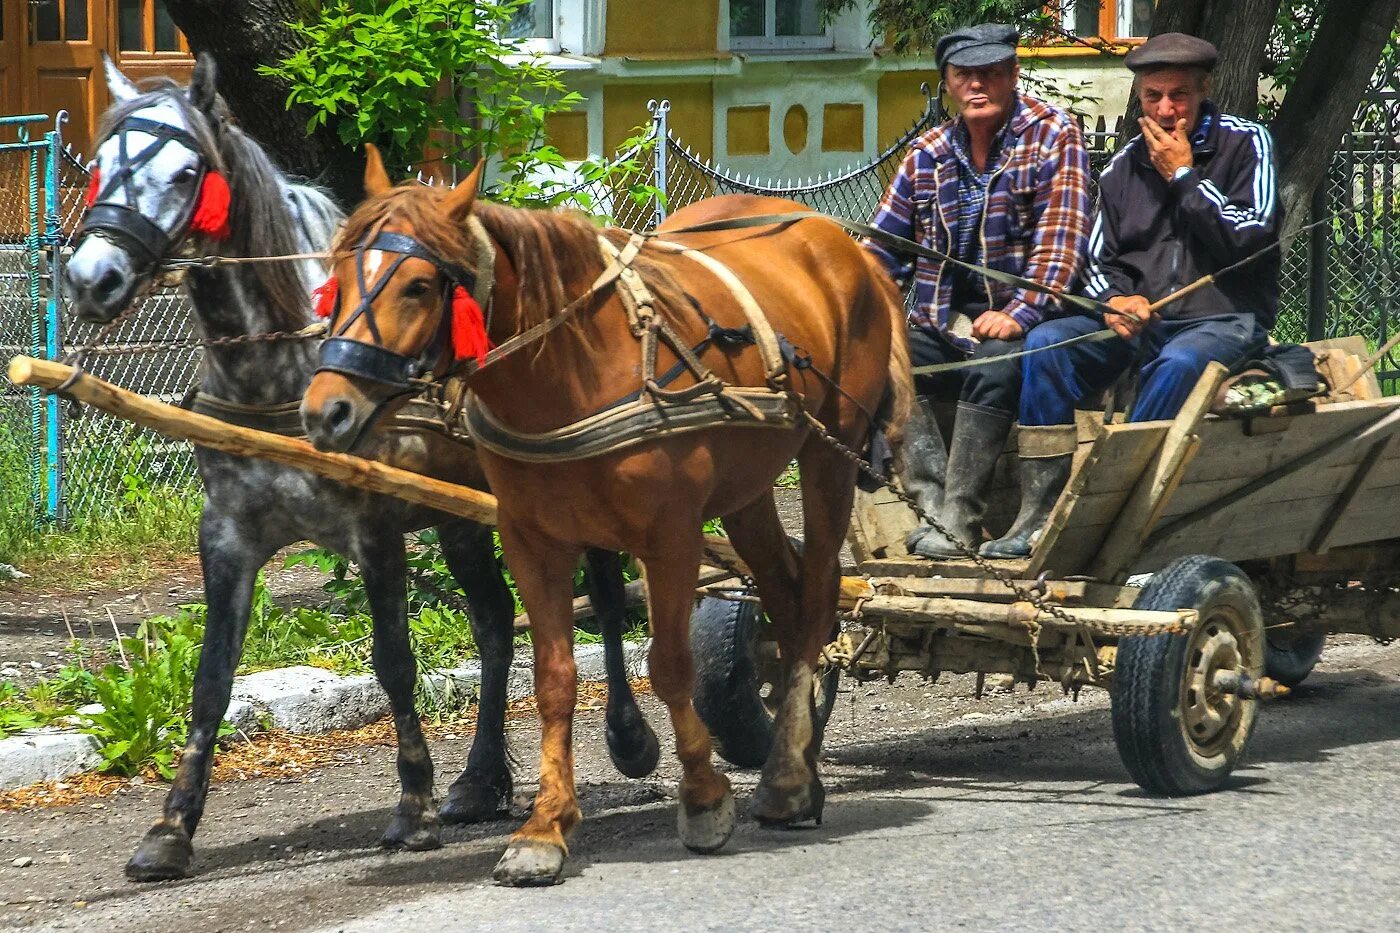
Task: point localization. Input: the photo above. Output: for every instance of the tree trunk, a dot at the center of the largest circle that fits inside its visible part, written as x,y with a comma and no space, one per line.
1240,30
1322,103
241,35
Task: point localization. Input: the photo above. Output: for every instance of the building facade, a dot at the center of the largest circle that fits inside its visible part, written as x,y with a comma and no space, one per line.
51,55
760,86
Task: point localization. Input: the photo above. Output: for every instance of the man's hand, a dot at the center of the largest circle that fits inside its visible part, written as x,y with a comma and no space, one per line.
1134,317
1169,149
996,325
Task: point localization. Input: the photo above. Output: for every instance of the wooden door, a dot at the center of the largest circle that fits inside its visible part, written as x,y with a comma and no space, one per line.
11,33
61,67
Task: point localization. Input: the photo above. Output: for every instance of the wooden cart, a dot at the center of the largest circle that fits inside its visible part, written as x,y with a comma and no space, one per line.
1261,535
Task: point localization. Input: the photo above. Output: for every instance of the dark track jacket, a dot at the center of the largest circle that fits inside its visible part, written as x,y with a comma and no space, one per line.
1152,238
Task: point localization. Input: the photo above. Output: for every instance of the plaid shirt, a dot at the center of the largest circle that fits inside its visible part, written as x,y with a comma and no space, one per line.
1035,223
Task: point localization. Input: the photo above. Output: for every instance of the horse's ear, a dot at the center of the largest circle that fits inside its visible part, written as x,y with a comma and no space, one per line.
203,88
121,87
376,178
460,200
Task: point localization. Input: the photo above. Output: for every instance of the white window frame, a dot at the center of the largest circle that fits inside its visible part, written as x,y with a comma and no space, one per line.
547,45
768,42
1123,20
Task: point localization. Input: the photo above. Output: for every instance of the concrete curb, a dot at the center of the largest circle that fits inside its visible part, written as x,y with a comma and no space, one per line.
304,700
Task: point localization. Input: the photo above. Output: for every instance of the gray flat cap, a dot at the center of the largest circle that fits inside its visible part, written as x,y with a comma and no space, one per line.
975,46
1172,50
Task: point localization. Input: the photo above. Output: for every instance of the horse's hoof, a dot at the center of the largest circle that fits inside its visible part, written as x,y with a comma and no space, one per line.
164,853
634,755
706,831
474,803
418,833
529,863
785,808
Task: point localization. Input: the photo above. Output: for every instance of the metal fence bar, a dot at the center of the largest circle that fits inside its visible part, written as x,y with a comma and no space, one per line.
53,332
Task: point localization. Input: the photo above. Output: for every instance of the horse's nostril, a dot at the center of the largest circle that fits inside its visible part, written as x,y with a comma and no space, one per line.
108,284
338,416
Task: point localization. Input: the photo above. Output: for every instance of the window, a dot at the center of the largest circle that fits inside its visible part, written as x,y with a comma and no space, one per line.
60,20
777,24
146,26
1108,19
533,20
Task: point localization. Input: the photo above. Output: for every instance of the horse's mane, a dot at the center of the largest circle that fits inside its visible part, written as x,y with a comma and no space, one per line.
553,252
262,221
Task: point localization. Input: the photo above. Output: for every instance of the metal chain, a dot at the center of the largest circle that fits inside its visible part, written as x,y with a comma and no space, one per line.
311,332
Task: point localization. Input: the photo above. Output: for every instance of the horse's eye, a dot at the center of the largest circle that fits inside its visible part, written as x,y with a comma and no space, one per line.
416,289
186,175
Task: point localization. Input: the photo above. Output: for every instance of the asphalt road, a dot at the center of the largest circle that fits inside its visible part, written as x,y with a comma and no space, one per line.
943,812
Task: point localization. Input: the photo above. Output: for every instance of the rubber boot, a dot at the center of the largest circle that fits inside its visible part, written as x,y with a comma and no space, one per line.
1047,454
924,461
979,436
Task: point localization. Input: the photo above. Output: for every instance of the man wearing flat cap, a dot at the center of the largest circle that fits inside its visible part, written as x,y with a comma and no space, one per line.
1002,185
1194,193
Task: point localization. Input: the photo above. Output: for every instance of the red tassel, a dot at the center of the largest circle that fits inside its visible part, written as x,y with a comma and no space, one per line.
94,187
469,339
325,297
211,210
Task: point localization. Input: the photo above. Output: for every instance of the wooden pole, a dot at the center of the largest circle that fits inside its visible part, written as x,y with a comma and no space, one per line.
452,498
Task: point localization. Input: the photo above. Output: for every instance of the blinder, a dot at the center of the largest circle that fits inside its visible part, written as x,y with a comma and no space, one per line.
374,361
122,222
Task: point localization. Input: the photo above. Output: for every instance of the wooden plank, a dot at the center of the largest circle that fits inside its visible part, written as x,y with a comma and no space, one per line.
1156,484
1247,532
922,567
1380,427
1333,516
1118,456
1068,592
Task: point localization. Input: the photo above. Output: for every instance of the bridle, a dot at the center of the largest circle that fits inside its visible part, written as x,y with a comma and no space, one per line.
121,221
374,361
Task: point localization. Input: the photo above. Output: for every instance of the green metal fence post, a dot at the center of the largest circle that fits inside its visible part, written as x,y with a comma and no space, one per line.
53,331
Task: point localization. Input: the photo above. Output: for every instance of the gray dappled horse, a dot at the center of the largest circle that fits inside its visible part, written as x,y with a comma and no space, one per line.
160,146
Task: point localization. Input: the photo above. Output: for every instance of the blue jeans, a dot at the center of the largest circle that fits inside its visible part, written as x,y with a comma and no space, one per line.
1174,355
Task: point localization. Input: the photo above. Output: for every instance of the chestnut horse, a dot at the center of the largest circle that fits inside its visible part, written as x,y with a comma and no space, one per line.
404,256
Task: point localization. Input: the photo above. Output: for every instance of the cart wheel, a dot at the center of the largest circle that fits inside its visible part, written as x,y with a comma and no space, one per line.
737,674
1176,733
1289,658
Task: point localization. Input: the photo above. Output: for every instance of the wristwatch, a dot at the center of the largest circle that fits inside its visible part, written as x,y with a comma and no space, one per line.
1181,173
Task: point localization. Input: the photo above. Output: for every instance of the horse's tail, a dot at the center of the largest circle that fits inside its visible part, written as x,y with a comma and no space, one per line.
898,401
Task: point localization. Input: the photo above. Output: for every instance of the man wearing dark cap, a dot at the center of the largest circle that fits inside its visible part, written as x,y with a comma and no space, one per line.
1193,194
1005,185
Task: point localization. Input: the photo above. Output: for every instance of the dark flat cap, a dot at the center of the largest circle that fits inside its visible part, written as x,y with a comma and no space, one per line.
975,46
1172,50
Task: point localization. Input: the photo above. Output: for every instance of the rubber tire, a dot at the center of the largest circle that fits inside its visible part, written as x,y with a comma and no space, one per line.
1149,673
722,636
1290,665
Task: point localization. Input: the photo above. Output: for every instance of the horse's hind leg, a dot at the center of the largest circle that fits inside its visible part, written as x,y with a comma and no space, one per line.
483,790
383,567
631,742
706,814
230,564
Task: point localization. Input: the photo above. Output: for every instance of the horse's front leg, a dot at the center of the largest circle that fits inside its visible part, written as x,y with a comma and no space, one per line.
230,556
383,567
632,744
483,790
544,573
705,818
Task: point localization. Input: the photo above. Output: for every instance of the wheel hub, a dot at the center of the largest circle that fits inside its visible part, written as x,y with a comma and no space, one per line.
1209,714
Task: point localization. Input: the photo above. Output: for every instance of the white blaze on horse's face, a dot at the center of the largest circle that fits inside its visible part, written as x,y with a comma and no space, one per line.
101,277
374,259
